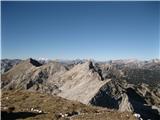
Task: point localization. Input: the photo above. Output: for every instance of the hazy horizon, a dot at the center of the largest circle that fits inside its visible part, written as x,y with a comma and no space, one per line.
80,30
104,60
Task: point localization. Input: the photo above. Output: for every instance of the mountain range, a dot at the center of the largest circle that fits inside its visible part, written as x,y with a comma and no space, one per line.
123,85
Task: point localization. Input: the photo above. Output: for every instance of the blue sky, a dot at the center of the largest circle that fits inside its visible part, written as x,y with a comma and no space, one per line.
70,30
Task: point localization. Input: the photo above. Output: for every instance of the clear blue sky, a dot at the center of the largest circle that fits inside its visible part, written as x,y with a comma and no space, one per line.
70,30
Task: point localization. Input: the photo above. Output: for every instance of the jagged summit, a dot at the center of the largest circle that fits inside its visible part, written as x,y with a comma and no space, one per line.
34,62
82,81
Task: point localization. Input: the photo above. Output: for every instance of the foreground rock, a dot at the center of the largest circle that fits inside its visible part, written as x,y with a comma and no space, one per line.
54,107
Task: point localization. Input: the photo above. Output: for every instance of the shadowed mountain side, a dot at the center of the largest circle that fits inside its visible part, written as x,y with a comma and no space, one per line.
140,106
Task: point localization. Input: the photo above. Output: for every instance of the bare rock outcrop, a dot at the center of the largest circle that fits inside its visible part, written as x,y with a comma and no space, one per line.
125,105
82,81
30,75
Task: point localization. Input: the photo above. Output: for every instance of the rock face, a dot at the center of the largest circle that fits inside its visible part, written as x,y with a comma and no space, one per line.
30,75
125,105
82,81
125,86
108,95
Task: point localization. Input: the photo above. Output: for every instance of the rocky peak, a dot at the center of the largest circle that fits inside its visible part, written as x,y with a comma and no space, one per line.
34,62
90,64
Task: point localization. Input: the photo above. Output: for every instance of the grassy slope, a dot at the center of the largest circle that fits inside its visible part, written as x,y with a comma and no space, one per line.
23,101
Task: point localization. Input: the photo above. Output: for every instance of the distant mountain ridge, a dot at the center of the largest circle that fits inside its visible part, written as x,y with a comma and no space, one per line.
7,64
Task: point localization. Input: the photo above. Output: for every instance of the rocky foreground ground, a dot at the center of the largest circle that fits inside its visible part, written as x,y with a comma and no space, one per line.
36,106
